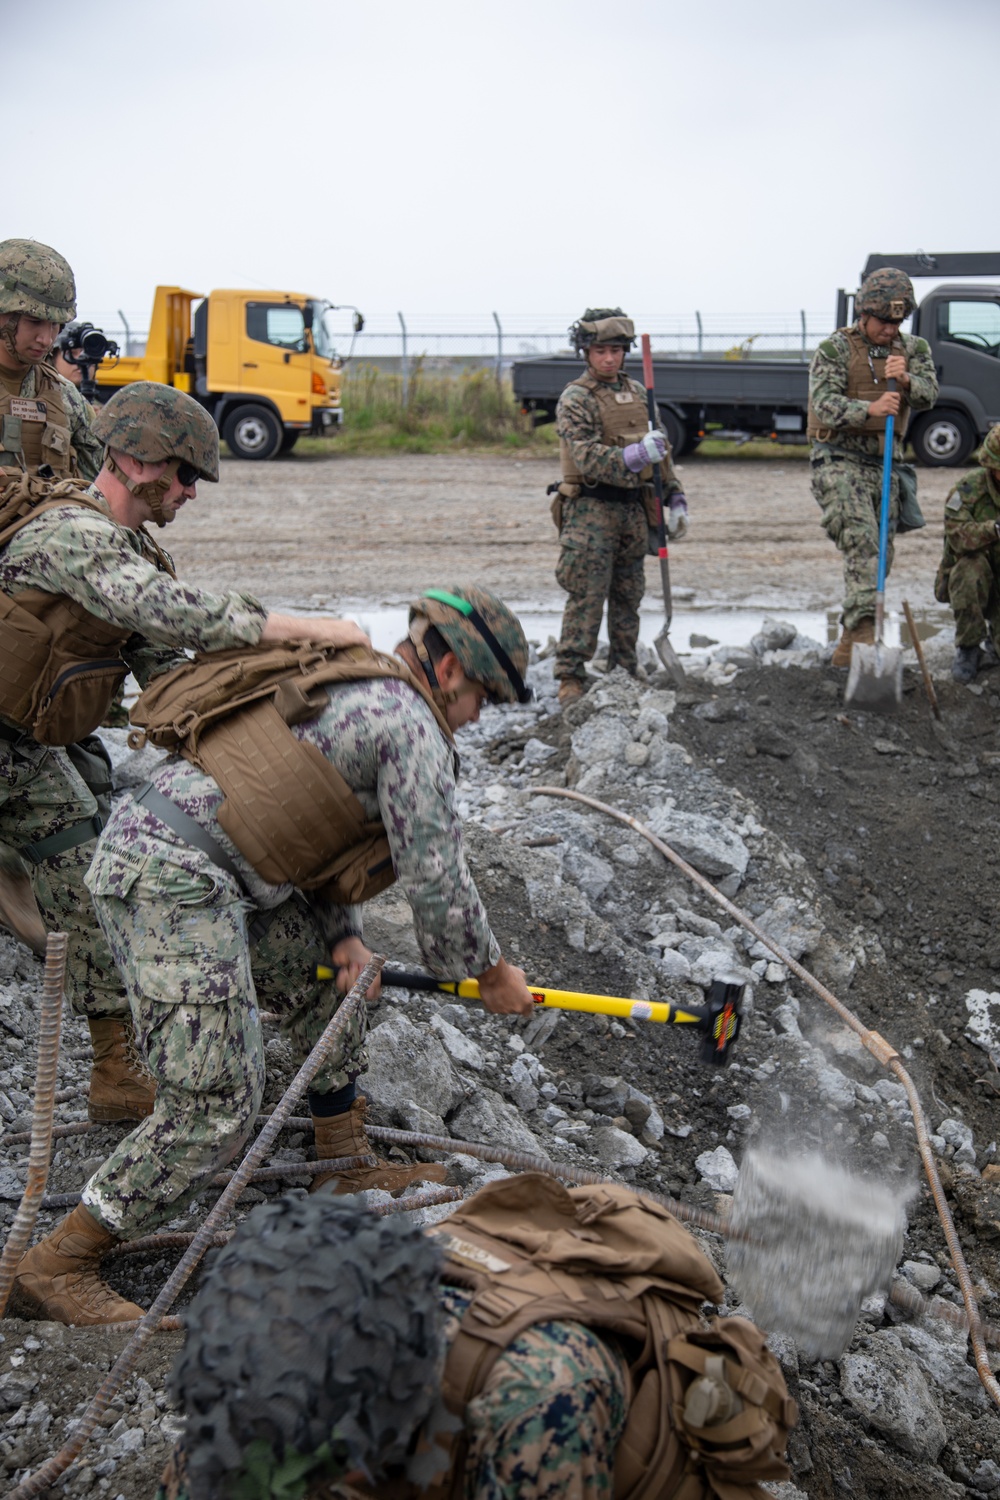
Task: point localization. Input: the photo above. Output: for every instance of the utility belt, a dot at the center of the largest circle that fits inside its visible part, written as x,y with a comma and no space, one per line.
911,517
616,494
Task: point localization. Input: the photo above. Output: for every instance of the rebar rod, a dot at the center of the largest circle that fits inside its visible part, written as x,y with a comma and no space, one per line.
263,1174
871,1040
44,1477
40,1155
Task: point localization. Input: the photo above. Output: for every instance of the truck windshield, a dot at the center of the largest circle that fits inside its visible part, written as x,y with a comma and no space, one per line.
322,330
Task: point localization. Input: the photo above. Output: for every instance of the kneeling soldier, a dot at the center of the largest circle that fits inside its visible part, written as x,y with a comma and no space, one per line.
539,1343
969,576
331,774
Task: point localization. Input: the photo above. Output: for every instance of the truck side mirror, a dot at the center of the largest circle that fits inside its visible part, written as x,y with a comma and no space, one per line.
359,322
307,315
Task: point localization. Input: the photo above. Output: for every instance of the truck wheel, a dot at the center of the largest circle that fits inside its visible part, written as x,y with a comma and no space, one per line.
288,440
676,431
943,438
252,432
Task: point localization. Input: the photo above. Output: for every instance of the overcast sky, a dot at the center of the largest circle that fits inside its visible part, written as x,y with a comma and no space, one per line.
531,156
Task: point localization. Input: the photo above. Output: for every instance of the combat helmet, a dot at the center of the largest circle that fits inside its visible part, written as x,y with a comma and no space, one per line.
36,280
483,633
602,325
154,422
887,293
353,1369
989,453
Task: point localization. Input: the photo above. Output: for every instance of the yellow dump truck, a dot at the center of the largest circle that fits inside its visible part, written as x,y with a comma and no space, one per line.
263,363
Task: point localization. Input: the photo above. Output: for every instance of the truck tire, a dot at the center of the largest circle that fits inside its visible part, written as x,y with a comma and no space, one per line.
943,439
676,430
252,432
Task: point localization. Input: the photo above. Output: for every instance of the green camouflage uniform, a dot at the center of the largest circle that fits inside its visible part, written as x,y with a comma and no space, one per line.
847,470
177,926
603,543
969,576
545,1426
112,572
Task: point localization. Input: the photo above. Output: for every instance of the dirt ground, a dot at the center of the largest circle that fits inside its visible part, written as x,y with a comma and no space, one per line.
897,821
339,532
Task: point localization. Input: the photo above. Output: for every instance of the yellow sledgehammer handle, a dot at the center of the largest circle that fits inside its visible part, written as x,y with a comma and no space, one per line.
596,1005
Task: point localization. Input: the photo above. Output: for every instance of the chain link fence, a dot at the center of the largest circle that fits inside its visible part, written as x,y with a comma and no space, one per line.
391,340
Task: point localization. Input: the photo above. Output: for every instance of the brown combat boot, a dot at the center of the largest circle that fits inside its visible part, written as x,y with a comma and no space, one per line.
18,908
570,689
345,1135
863,634
59,1278
121,1086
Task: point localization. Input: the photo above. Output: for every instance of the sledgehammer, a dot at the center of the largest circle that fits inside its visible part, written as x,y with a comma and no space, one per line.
717,1023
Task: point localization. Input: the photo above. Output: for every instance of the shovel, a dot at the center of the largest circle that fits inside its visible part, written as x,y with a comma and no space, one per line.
664,650
875,680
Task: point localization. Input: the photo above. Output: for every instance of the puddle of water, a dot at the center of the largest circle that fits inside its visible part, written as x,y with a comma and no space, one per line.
386,624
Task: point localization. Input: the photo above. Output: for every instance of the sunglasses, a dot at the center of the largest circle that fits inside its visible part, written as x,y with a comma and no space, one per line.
187,474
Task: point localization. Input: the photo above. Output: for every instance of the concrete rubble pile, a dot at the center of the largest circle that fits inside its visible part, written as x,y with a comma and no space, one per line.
584,902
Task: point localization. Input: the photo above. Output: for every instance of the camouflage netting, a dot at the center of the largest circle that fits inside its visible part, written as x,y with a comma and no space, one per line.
313,1343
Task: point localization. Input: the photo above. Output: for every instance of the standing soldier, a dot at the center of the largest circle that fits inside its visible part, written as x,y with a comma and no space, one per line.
969,576
46,422
849,400
88,596
605,504
332,775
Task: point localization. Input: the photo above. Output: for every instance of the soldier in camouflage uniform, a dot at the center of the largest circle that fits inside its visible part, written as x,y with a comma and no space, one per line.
606,500
969,576
47,424
849,400
87,555
366,1393
174,895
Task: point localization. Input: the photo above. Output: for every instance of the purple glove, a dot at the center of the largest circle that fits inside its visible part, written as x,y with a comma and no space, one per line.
677,518
649,450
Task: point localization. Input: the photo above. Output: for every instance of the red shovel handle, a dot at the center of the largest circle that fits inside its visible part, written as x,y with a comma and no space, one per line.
647,363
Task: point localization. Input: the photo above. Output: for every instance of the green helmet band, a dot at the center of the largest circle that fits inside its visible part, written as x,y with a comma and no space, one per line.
475,619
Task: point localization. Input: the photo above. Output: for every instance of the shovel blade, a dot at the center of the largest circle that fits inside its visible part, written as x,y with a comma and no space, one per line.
669,657
875,680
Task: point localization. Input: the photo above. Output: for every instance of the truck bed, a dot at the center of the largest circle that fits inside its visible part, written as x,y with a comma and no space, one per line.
733,382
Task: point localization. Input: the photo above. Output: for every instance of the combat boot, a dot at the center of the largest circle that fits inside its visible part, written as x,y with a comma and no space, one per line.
121,1086
18,908
59,1279
989,658
345,1135
570,689
862,634
966,664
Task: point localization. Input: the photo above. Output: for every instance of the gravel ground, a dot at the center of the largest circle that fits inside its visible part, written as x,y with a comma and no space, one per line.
865,846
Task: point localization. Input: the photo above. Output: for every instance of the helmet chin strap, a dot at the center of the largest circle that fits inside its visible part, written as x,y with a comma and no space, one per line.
417,632
151,491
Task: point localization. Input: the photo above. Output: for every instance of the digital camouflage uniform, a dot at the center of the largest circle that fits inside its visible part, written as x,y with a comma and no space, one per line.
847,469
545,1426
177,926
112,572
603,543
969,576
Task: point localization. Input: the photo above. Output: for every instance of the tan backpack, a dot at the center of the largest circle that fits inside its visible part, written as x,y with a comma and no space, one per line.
533,1251
286,808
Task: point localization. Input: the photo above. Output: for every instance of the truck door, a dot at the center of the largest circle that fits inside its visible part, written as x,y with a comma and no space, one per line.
274,357
967,349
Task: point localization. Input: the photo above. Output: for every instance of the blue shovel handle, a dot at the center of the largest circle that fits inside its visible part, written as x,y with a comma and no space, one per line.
883,523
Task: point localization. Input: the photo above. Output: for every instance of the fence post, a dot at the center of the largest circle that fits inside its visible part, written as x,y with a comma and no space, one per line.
405,366
128,334
802,315
698,320
499,352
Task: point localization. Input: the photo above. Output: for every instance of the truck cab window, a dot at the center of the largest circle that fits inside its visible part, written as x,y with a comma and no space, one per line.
975,324
279,324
